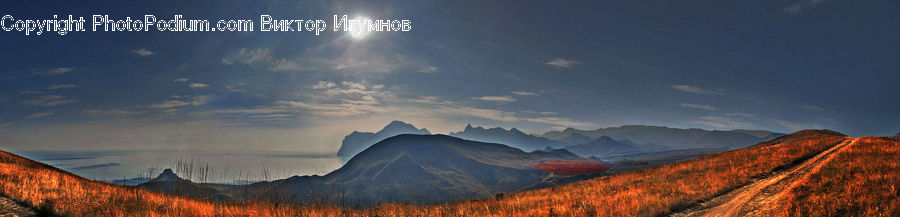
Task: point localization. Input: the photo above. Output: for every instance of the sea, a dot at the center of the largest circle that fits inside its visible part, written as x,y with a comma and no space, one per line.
209,166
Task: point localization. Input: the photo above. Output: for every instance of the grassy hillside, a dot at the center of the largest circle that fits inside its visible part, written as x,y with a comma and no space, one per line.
57,192
642,193
654,191
863,179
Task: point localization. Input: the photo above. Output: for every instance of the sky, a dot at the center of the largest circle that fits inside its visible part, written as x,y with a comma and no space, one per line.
538,66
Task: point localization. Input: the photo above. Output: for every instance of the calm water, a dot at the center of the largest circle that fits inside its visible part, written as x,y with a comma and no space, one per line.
223,166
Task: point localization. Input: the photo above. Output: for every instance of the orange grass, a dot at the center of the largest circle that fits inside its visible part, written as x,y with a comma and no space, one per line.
648,192
862,180
61,193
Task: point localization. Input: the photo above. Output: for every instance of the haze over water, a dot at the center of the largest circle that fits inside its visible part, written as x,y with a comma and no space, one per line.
224,166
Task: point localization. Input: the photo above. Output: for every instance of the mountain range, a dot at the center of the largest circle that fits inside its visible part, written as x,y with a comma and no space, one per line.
359,141
412,168
512,137
606,145
405,163
427,169
667,138
783,173
626,139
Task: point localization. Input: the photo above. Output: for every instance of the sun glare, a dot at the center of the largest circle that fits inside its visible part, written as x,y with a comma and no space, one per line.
358,30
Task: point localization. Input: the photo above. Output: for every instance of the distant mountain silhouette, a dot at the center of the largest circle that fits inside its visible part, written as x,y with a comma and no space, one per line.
359,141
167,176
168,182
512,137
897,136
575,139
671,138
606,146
423,169
394,164
758,133
554,153
800,136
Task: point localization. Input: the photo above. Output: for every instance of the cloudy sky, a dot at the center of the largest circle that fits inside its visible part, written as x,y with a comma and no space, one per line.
773,65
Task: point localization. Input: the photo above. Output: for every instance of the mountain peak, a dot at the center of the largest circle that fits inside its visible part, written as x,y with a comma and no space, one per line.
167,176
435,168
399,124
513,137
570,130
395,122
359,141
399,127
470,128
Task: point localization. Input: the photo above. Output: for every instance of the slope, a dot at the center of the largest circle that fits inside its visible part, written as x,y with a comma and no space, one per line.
672,138
168,182
359,141
754,197
512,138
862,179
651,192
604,146
426,169
656,191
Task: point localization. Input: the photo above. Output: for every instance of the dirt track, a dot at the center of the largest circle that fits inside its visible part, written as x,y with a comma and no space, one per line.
751,200
9,208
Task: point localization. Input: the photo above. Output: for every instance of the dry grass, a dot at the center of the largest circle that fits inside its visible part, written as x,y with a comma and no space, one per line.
61,193
862,180
643,193
649,192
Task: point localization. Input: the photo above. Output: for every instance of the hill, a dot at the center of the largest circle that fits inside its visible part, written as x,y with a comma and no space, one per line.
54,192
512,137
671,138
605,146
833,188
359,141
574,139
167,181
662,190
862,180
426,169
587,142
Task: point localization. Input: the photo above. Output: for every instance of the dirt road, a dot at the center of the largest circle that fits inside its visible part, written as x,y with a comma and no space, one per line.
9,208
751,200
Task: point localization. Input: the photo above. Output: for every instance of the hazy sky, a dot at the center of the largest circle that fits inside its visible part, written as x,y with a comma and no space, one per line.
774,65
